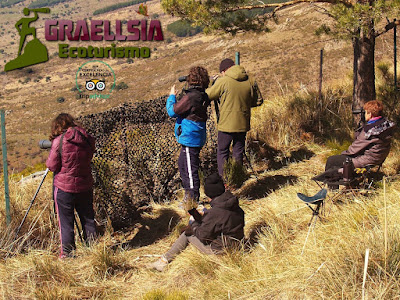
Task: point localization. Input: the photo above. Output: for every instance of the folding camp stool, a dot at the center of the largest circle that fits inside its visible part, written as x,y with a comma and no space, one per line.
318,202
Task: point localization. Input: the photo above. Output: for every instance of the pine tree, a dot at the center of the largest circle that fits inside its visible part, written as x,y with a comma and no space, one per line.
362,21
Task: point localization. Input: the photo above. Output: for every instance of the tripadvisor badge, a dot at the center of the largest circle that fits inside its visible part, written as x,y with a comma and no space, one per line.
34,51
95,79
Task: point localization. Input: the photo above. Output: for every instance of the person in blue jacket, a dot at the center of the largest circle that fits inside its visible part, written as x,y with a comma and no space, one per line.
190,128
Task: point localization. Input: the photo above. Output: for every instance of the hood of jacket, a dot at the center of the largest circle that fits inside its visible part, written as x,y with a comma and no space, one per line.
237,72
225,201
78,136
376,129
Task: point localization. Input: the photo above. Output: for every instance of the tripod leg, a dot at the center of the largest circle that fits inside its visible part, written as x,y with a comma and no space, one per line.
30,206
78,229
310,228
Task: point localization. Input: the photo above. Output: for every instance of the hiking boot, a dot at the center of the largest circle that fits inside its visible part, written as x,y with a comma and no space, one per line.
160,264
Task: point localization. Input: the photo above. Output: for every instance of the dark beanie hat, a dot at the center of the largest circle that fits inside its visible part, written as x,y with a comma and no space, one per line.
226,64
214,186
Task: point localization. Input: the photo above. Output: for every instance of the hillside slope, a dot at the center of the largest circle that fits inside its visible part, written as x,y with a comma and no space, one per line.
283,61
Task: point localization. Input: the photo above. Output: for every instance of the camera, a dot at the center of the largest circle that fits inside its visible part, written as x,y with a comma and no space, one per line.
182,78
360,111
45,144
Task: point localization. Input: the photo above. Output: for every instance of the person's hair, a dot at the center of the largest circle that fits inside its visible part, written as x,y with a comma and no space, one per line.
60,124
374,107
198,76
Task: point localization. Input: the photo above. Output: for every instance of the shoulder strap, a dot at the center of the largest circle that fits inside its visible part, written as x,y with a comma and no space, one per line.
60,146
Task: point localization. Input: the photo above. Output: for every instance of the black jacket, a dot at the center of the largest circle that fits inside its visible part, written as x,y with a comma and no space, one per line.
221,224
193,105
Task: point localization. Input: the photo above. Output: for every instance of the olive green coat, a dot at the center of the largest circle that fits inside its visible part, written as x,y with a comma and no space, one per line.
237,94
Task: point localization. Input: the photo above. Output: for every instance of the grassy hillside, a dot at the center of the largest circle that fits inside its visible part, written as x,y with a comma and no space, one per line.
284,61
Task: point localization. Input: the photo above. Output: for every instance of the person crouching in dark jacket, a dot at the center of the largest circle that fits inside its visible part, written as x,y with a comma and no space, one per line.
371,145
190,128
70,155
218,228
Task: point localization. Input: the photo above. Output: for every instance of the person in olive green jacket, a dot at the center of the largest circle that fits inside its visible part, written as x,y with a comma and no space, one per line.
236,93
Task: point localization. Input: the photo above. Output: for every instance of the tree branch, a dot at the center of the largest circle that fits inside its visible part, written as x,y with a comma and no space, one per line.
388,27
323,10
347,3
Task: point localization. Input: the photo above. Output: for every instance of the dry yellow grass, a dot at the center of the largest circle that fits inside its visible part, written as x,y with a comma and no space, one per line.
271,267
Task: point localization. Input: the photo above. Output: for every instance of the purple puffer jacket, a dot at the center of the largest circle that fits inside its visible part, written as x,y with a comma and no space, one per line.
73,173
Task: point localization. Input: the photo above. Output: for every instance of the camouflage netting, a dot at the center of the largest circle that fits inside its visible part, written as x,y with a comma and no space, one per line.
136,158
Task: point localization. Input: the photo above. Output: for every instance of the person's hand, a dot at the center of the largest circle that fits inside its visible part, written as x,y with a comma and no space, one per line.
189,231
215,77
172,92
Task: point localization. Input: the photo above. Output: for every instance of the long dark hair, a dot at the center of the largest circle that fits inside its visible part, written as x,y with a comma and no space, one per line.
60,125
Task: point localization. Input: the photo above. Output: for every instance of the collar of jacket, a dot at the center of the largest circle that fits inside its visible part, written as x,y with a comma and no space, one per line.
195,87
378,127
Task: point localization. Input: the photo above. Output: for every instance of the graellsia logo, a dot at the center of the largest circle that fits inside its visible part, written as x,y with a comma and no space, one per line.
95,79
131,31
34,52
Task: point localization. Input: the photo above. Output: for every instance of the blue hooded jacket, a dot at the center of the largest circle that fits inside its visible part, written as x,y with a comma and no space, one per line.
191,114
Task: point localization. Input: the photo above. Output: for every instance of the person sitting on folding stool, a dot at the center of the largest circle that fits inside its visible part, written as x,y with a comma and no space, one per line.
371,145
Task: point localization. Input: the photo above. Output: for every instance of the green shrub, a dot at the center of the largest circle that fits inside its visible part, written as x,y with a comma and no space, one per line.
121,86
7,3
329,117
235,174
337,147
27,79
29,170
45,3
323,29
184,28
116,6
387,92
75,88
288,121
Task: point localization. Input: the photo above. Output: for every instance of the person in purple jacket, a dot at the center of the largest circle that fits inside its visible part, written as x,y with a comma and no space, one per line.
371,145
70,156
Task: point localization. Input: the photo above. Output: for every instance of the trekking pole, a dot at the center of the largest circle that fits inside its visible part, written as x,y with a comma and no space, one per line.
30,206
216,110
